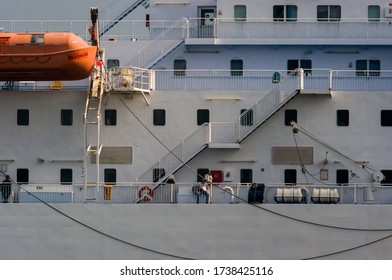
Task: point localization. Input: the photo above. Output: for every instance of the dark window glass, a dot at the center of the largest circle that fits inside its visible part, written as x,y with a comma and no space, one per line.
236,67
110,176
246,117
290,176
66,117
374,67
159,117
291,13
66,176
387,177
386,117
23,117
306,64
246,176
329,13
342,117
374,13
292,64
361,67
201,172
322,13
278,13
290,115
335,13
111,63
110,117
179,67
203,116
342,177
240,12
22,176
157,174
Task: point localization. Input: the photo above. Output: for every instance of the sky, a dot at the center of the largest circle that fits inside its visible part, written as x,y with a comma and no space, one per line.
50,9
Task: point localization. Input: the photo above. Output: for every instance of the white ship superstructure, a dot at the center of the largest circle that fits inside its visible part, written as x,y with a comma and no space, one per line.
189,130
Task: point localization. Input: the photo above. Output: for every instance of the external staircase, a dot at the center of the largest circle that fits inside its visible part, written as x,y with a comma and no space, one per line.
226,135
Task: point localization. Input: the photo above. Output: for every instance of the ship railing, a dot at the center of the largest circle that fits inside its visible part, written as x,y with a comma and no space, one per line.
80,85
288,29
361,80
128,30
128,79
222,132
162,44
197,193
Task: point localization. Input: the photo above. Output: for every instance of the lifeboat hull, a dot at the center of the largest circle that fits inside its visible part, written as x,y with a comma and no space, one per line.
68,58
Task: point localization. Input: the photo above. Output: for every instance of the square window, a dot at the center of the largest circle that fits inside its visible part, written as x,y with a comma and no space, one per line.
111,63
342,177
386,117
240,12
246,176
157,174
23,117
342,117
179,67
159,117
110,176
66,176
66,117
246,117
110,117
203,116
22,176
290,176
236,67
289,116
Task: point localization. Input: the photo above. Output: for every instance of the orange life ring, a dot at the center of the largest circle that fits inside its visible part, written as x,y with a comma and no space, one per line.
146,194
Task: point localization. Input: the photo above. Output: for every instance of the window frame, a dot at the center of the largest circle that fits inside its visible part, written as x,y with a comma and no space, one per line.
203,116
110,117
66,176
342,117
159,117
179,66
240,12
23,117
110,176
66,118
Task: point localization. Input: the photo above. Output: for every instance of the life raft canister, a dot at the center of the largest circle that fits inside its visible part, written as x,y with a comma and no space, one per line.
146,194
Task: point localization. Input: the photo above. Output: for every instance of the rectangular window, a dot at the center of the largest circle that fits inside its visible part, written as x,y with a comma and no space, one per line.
179,67
112,63
240,12
110,117
203,116
159,117
23,117
22,176
285,13
246,176
157,174
201,172
370,67
374,13
246,117
329,13
386,117
66,117
66,176
110,176
290,115
342,177
292,64
342,117
236,67
290,176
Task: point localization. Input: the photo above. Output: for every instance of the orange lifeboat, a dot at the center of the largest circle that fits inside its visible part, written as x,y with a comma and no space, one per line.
45,56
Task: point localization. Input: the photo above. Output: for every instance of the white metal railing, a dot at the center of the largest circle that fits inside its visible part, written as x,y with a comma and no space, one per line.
222,132
130,79
267,28
190,192
176,158
161,45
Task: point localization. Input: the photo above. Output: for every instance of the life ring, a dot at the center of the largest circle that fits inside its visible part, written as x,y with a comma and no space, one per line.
146,194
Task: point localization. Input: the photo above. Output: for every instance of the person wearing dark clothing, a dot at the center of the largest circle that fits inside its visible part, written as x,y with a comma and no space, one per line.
6,188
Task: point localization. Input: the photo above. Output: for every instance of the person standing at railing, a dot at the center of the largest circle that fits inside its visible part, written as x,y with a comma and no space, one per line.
6,188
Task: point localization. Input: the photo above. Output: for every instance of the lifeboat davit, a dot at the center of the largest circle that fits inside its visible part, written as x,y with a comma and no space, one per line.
45,56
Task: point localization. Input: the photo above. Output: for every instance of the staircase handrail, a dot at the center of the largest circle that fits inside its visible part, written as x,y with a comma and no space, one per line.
137,60
269,103
178,156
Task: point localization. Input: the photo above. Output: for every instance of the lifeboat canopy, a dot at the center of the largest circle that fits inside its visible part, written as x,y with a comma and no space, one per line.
45,56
